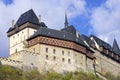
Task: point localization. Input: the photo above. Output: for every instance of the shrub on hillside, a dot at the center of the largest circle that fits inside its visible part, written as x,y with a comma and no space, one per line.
10,73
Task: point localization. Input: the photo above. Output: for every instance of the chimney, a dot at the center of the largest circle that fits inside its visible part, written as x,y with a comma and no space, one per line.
12,23
39,18
77,35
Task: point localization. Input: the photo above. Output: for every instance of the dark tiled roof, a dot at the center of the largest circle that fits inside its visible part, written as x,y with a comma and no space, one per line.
87,39
70,29
28,16
116,47
10,29
102,43
57,34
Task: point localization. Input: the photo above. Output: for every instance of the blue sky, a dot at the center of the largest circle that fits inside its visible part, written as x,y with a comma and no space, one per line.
98,17
7,2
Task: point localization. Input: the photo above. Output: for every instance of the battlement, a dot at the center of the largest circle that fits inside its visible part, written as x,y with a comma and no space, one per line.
10,60
19,60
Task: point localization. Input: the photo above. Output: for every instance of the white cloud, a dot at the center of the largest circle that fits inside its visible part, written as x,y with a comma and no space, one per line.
52,12
105,20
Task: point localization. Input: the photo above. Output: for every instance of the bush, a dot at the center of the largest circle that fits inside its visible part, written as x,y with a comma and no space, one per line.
10,73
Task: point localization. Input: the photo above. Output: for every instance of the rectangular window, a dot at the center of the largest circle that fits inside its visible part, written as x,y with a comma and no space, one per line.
46,57
62,52
68,53
75,54
18,34
46,50
54,58
69,61
81,57
15,50
54,51
34,50
63,60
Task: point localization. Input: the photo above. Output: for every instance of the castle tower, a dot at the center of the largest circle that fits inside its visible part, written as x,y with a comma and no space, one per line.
26,25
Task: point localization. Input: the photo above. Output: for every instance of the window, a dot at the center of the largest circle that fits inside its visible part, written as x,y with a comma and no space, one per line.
46,50
63,60
69,61
18,34
54,51
54,58
81,57
68,53
15,50
34,50
75,54
46,57
62,52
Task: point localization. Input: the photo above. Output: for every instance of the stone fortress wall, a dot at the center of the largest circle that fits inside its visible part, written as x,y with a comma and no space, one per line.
106,64
46,53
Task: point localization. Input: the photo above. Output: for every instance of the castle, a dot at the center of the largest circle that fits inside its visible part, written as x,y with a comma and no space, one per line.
32,45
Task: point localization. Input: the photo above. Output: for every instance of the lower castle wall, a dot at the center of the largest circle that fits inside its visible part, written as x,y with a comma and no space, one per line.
106,64
78,62
77,59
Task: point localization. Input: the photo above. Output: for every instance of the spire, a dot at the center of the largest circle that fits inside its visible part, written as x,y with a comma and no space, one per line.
115,46
66,20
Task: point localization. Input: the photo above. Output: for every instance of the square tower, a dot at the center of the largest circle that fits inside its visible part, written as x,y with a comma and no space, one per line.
26,25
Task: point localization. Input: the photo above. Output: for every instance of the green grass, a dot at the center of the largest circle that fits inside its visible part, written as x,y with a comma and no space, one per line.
10,73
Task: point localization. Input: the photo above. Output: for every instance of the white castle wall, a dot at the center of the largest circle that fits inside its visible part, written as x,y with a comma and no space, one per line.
16,41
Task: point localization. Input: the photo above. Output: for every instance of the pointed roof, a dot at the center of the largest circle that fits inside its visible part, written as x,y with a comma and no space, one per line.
71,29
102,43
116,47
28,16
66,21
87,39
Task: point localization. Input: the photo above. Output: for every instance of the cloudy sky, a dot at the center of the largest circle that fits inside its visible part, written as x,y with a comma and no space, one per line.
98,17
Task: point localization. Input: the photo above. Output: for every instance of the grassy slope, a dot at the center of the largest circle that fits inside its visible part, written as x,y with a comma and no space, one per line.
9,73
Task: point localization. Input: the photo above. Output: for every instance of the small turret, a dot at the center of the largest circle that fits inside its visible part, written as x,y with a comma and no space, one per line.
12,23
39,18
